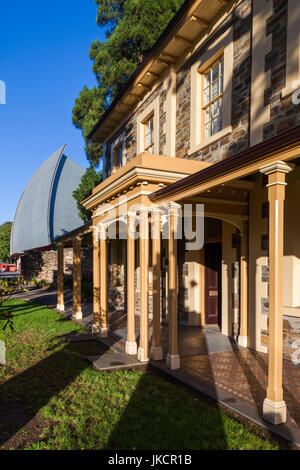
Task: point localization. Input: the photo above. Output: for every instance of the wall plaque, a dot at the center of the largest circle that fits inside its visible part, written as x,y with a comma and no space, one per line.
265,274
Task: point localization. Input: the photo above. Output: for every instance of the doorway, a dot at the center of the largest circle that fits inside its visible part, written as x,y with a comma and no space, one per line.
213,289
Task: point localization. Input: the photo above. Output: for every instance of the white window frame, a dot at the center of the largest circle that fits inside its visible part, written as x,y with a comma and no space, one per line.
118,142
151,109
222,46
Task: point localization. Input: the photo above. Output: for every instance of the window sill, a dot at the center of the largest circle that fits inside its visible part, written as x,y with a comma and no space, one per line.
220,135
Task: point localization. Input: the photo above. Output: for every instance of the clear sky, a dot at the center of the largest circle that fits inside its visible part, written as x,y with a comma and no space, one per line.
44,61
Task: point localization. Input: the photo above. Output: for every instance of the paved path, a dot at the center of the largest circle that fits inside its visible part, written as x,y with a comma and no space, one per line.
48,297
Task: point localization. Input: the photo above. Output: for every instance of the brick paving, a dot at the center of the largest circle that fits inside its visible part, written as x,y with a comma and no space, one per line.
243,374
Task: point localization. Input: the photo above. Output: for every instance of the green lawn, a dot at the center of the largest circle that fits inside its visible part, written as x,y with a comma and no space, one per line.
52,399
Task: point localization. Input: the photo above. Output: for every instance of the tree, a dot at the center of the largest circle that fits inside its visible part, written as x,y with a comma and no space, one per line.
5,230
88,181
132,27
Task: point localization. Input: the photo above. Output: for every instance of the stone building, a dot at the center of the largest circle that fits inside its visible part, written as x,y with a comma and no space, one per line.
210,121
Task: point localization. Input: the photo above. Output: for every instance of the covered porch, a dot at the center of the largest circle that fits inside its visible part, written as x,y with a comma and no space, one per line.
165,293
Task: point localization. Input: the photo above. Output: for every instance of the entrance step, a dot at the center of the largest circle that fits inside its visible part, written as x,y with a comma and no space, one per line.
114,361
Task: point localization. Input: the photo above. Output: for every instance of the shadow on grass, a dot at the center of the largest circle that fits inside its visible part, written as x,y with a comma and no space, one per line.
162,414
23,395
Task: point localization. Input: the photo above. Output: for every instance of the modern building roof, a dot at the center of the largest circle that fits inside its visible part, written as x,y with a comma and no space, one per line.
47,209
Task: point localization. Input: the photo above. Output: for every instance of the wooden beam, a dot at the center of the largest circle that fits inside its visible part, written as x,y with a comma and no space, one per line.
134,95
152,74
142,85
170,57
162,61
128,105
199,20
183,39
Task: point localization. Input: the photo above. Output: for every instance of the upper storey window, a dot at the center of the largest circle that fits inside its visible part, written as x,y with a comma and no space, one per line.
117,157
211,93
212,109
149,135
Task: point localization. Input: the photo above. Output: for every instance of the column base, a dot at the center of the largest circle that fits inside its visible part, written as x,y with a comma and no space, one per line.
103,332
95,328
131,348
243,341
142,356
156,353
173,361
274,411
77,315
60,307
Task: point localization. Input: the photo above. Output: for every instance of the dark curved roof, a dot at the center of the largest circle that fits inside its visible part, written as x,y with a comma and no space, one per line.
47,209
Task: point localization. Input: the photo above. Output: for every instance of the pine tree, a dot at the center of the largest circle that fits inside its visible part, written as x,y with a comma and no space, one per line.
88,181
132,27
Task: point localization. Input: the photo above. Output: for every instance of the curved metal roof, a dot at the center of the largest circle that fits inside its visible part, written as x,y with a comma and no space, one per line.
47,209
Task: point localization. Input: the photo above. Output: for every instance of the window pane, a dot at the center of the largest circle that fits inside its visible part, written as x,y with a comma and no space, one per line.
212,88
206,96
222,76
215,90
215,72
151,149
208,130
206,80
208,114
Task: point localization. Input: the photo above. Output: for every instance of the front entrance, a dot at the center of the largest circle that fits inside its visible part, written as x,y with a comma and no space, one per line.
213,258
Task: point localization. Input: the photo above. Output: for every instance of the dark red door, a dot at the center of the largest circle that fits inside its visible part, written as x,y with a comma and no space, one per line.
213,257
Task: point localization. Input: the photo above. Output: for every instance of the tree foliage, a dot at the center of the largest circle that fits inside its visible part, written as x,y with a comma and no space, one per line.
132,27
88,181
5,230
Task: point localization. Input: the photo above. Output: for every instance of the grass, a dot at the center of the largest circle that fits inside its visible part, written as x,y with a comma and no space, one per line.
64,404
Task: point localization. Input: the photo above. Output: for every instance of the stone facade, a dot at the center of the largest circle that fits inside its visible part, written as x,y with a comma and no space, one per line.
42,265
283,115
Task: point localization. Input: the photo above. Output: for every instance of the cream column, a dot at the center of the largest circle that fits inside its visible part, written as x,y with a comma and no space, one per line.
274,408
104,326
60,277
143,351
131,346
96,281
173,359
243,333
156,347
77,313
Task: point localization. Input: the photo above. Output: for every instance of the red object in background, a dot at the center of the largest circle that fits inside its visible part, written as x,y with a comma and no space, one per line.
11,268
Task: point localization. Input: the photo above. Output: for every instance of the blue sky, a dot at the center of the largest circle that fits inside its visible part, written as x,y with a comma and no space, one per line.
44,61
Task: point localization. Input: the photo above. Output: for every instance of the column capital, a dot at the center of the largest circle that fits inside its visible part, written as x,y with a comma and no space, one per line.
156,214
102,231
276,167
130,215
172,208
